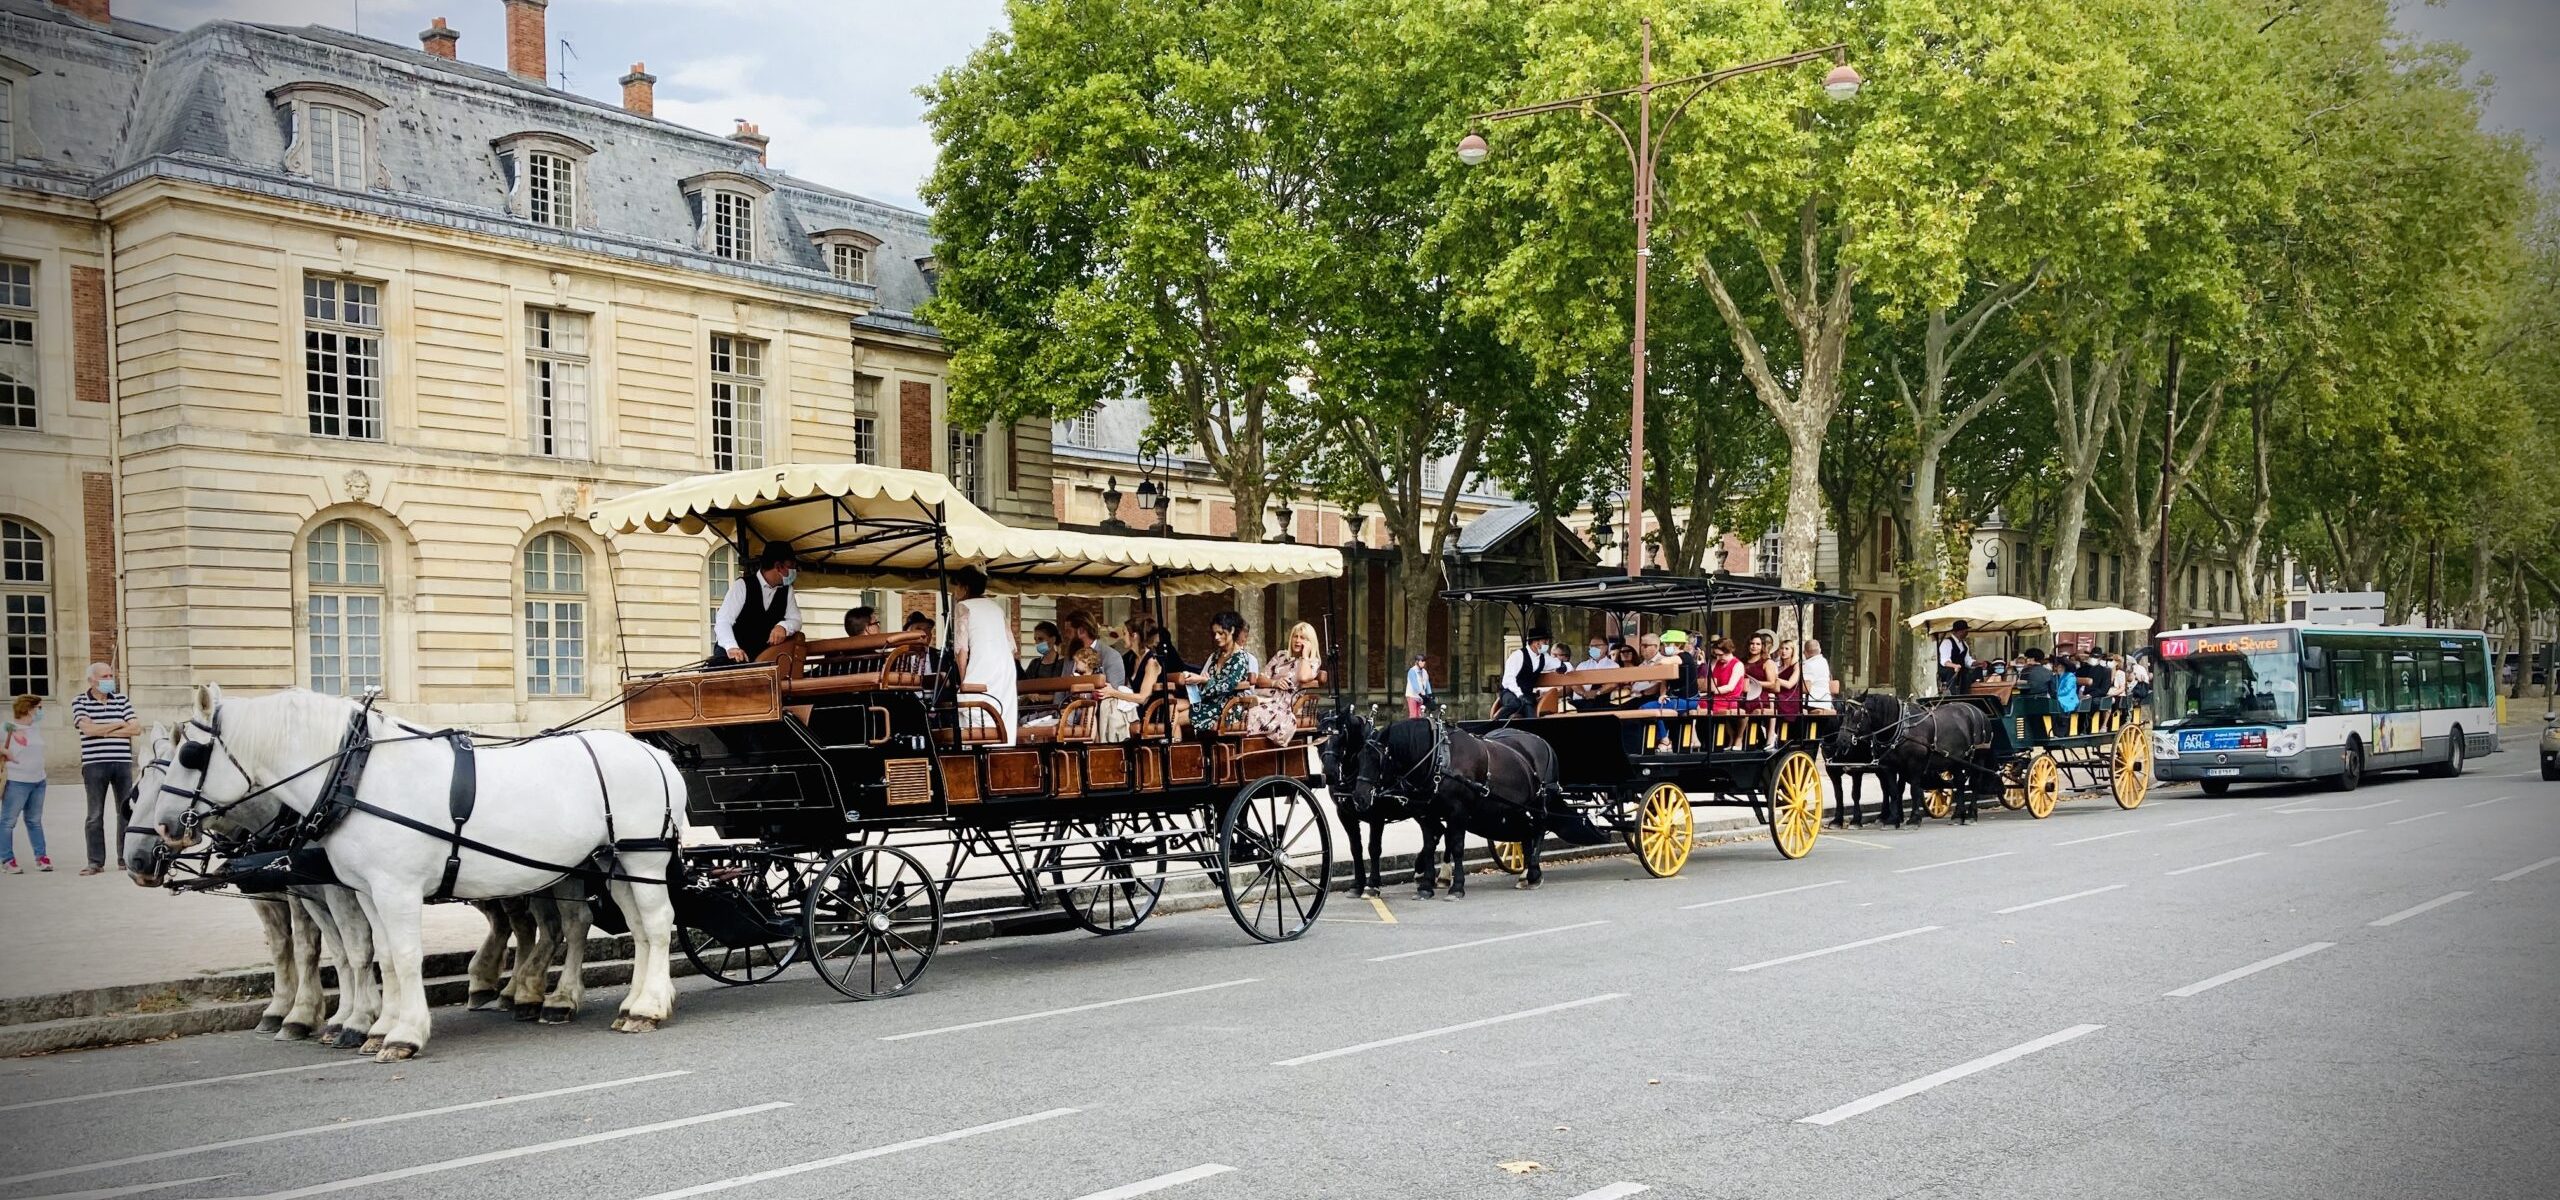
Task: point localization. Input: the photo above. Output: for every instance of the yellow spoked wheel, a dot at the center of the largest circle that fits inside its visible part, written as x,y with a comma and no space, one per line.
2130,777
1795,803
1664,831
2013,795
2043,786
1942,803
1510,857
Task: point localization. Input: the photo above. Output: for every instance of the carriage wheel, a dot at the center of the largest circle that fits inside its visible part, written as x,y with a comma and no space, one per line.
2013,789
874,918
2129,777
1665,830
1273,833
1795,803
1510,856
768,885
1097,881
1942,803
2043,787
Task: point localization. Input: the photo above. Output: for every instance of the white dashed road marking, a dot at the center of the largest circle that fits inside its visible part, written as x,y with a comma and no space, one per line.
2349,808
1950,1075
2104,836
162,1087
2521,872
2491,800
2222,862
1953,862
2419,817
1615,1191
820,1164
1159,1183
1485,941
2207,985
474,1160
2414,910
1401,1039
2019,908
1060,1012
2199,820
1779,962
1764,895
2330,838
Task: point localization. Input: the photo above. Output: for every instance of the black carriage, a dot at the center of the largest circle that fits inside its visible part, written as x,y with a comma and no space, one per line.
864,797
1634,768
2034,752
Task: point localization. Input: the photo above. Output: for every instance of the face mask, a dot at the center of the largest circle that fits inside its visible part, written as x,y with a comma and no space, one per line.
790,577
1597,652
1042,646
106,687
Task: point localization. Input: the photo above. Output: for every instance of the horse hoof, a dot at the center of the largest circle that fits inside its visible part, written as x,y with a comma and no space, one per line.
372,1045
270,1024
557,1016
481,1001
396,1052
292,1031
527,1012
639,1025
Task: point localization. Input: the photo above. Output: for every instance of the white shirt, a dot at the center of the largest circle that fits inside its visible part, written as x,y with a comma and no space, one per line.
1951,653
735,603
1417,682
1512,663
985,632
1817,682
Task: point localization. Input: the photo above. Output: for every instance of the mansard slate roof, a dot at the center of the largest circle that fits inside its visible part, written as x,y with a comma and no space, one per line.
112,106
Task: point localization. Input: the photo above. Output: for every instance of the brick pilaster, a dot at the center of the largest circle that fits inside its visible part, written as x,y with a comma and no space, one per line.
915,425
98,550
89,335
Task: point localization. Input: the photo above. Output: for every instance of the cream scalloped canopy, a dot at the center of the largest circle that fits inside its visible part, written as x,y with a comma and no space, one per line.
856,526
2097,620
1983,614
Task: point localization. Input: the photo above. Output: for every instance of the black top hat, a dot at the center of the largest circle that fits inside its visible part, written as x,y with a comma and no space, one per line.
1537,633
1961,627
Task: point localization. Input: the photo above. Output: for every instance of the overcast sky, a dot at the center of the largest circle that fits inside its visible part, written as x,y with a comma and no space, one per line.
833,81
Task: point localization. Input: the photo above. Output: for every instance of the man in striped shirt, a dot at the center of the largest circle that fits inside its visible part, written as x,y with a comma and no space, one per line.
104,716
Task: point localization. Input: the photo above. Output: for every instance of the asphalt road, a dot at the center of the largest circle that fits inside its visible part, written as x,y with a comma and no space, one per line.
2266,995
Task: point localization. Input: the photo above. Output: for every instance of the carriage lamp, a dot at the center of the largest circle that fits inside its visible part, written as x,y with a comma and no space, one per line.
1288,532
1355,520
1147,494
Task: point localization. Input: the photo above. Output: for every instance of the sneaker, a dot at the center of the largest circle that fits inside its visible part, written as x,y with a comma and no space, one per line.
43,863
11,866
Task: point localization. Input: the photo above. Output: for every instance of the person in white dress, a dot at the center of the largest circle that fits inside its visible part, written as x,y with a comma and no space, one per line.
985,647
1817,678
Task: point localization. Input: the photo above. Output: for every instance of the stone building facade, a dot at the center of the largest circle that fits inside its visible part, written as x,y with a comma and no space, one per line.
314,350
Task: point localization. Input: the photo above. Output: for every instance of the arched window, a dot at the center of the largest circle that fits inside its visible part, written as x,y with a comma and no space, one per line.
342,564
723,569
555,617
26,597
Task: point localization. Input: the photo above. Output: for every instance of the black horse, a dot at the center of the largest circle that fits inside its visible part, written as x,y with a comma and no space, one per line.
1937,749
1867,725
1348,735
1454,783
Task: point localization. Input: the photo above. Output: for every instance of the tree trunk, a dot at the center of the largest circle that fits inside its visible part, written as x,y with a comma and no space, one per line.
1923,587
2085,411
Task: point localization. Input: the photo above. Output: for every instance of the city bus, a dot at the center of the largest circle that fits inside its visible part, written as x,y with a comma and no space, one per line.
2299,701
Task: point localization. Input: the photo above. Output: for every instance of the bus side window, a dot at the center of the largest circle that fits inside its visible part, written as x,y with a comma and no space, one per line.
2354,680
2320,680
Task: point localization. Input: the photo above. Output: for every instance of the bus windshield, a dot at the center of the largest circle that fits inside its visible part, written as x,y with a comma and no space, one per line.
2230,679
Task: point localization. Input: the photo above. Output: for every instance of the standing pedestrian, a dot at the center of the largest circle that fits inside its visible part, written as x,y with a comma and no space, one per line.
1417,686
22,750
103,715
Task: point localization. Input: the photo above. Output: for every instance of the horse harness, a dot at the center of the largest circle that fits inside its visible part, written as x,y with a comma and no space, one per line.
288,849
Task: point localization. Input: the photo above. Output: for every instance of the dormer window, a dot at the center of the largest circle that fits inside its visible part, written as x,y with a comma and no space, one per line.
8,119
724,209
15,139
331,134
849,253
541,170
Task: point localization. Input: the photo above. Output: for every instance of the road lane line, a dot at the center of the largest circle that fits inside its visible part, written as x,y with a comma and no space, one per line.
336,1126
2491,800
475,1160
2414,910
1780,962
820,1164
1615,1191
2019,908
2222,862
1060,1012
2330,838
1386,916
2350,808
2521,872
2202,986
2200,820
2104,836
1763,895
162,1087
130,1189
1402,1038
1159,1183
1950,1075
2419,817
1508,937
1953,862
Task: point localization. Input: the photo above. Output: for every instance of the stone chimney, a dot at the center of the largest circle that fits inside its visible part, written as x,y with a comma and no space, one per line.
640,91
438,40
526,45
92,11
752,138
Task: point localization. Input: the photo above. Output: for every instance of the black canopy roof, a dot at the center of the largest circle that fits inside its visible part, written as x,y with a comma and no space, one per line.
1660,595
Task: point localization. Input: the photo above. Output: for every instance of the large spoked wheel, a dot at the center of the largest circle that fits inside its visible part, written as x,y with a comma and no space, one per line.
874,918
1941,803
2013,793
1510,856
1106,877
2129,777
2043,784
1665,830
1275,852
1795,803
748,906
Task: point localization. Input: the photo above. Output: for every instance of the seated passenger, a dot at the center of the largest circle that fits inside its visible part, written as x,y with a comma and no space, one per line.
1227,673
1275,715
1048,653
1724,679
860,620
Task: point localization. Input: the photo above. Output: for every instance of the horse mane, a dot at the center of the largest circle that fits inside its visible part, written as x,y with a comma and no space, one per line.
262,729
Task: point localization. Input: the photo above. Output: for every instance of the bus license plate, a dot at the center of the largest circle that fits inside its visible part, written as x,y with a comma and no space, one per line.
2221,772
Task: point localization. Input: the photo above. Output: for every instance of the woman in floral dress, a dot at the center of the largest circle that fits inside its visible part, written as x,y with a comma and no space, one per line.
1228,673
1275,715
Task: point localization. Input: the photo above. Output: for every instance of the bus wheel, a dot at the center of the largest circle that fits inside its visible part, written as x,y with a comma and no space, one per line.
2451,767
2352,773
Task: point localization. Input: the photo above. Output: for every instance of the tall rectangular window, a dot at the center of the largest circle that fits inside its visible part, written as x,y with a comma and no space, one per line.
737,403
851,263
26,608
555,617
8,126
733,226
1085,431
18,408
1764,557
866,419
342,356
967,452
343,570
550,189
555,381
337,146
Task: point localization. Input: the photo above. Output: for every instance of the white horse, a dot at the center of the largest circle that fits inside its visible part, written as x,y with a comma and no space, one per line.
545,927
302,925
556,801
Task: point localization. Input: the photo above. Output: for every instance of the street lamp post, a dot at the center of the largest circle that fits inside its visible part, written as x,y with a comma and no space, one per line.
1644,152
